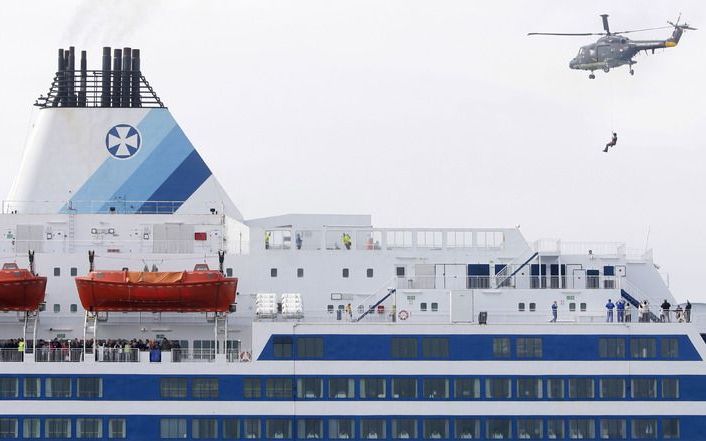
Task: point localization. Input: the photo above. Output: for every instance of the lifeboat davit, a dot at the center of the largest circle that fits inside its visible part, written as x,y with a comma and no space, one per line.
201,290
20,289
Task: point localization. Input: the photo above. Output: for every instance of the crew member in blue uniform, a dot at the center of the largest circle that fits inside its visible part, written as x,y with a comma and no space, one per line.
609,307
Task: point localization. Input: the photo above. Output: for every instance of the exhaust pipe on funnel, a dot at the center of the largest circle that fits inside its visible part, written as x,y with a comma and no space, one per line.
117,69
105,78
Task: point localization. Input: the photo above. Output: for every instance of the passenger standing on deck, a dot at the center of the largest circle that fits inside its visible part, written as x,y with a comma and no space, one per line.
687,312
267,240
665,311
349,311
555,308
609,307
347,241
628,312
620,307
298,241
21,348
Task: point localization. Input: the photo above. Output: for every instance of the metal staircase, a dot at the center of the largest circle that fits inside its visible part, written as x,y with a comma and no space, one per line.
372,308
29,329
90,331
220,332
626,284
502,276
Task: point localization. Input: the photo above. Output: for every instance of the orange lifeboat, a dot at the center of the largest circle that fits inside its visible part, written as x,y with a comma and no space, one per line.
20,289
201,290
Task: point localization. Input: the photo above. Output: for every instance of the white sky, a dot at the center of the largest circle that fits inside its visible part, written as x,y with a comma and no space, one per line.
423,114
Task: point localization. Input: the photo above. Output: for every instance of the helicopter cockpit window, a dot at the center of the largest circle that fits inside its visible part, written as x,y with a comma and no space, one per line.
623,41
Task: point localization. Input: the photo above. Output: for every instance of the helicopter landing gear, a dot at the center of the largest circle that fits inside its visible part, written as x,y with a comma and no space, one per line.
592,76
632,72
606,69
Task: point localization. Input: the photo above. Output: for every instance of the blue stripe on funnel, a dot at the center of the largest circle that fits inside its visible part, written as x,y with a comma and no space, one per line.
185,180
113,173
156,169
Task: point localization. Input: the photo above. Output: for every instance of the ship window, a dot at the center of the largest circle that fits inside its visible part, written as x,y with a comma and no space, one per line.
8,387
612,388
30,428
273,272
204,428
341,388
423,306
279,388
89,428
530,428
555,429
252,388
341,428
116,428
73,307
467,428
644,428
498,388
310,347
435,347
310,388
436,429
8,427
310,428
532,307
329,309
670,348
436,388
643,347
613,429
42,306
404,347
57,428
205,388
466,388
89,387
57,271
372,429
74,271
670,388
58,387
283,347
172,428
611,348
404,428
251,428
345,272
529,388
501,347
581,388
555,389
399,271
498,429
529,347
582,306
371,388
644,388
582,429
278,428
32,387
231,428
572,307
229,272
369,273
670,428
434,307
404,388
300,272
57,307
172,387
521,306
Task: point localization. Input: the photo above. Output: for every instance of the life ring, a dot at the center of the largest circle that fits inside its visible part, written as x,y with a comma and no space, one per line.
245,356
403,315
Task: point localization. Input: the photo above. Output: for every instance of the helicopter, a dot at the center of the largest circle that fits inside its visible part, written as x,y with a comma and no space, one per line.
613,49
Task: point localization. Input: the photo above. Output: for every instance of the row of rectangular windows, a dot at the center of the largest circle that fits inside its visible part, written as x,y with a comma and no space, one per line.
62,428
368,388
425,428
525,347
405,388
345,272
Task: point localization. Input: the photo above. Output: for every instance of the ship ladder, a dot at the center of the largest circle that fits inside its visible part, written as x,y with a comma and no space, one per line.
29,329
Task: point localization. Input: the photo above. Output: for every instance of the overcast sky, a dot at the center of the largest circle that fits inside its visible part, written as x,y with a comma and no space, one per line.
423,114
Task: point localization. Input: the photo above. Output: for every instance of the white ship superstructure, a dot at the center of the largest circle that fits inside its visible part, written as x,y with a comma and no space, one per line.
342,330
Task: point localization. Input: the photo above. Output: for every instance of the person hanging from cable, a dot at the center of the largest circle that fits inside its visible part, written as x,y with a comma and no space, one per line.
613,141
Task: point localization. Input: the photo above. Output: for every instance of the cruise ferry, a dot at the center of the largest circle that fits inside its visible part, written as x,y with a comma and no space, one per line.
169,315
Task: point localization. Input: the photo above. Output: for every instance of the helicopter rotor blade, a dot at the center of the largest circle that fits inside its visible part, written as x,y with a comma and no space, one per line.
642,30
561,34
605,23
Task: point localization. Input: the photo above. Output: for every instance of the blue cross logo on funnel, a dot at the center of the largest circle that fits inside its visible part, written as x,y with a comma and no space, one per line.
123,141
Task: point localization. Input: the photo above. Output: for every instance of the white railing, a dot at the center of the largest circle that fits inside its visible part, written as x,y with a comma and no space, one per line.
499,281
58,355
11,355
193,355
117,355
63,244
115,206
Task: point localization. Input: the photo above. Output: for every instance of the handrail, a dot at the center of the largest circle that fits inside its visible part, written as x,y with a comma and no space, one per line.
378,303
516,270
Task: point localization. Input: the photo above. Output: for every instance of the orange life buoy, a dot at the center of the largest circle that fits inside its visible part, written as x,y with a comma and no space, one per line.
245,356
403,315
